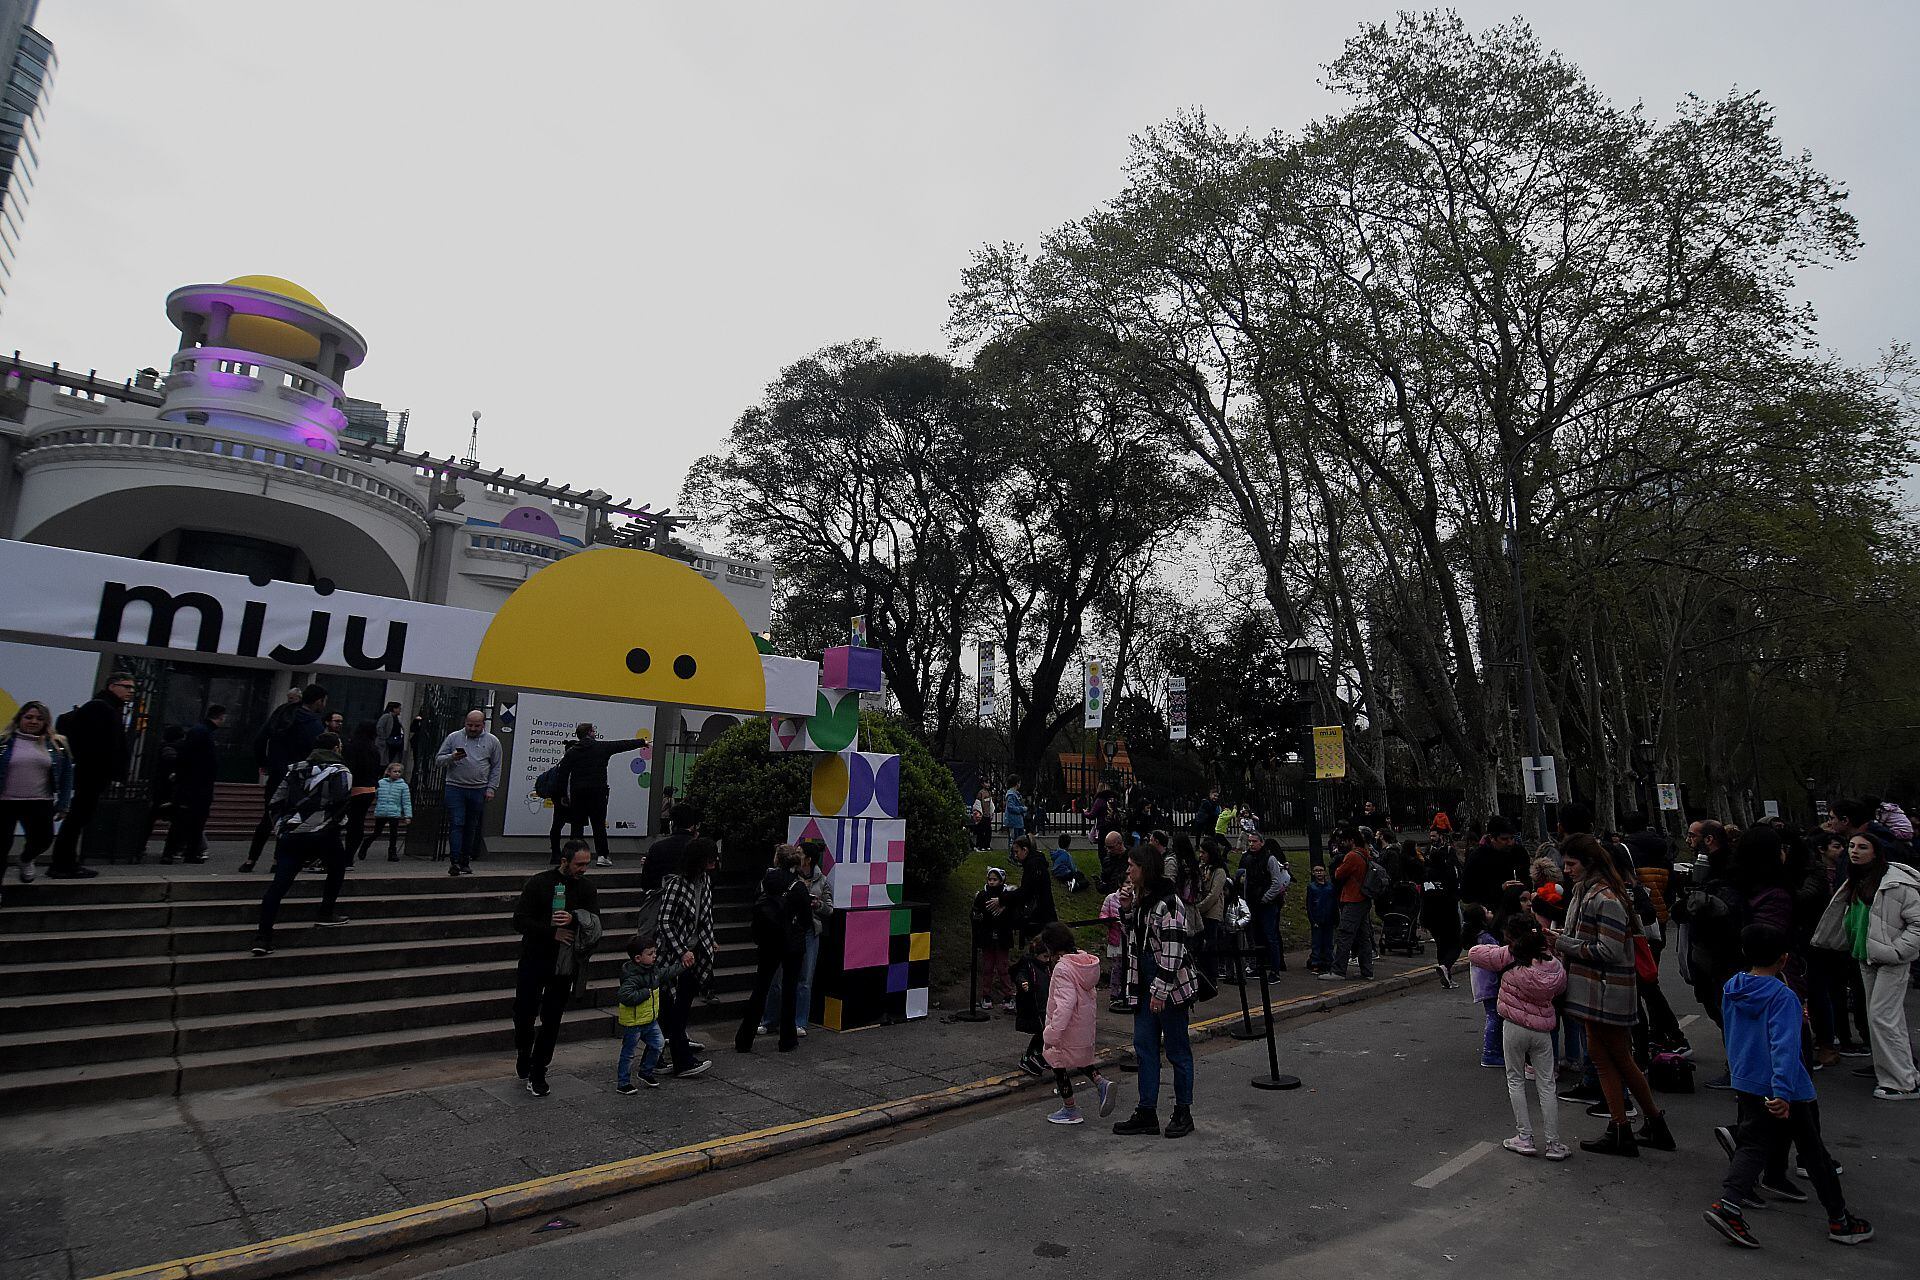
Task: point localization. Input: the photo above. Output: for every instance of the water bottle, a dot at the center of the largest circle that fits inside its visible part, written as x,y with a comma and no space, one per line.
559,895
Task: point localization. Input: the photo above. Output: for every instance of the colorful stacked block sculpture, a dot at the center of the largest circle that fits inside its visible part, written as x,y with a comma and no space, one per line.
857,784
874,960
884,957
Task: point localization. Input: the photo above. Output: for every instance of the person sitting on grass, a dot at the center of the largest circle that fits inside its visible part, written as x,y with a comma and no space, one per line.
1761,1020
1064,869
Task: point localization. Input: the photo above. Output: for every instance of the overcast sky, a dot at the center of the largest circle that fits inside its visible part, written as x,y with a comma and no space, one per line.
607,226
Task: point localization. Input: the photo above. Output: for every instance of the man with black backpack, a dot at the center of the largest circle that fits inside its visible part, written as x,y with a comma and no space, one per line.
1361,878
306,812
289,737
96,736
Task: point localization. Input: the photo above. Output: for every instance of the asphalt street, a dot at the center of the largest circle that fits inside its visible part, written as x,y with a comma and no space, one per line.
1386,1164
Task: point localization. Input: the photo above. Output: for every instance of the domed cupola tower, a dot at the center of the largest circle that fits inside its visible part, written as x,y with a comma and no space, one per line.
261,355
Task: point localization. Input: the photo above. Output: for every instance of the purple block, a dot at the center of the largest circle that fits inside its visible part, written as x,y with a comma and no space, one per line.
850,668
896,976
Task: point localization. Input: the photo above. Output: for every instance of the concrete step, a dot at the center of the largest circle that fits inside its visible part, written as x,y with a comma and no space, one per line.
369,879
244,909
299,952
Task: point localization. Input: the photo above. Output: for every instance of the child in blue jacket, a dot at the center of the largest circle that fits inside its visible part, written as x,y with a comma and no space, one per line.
1323,917
392,811
1778,1107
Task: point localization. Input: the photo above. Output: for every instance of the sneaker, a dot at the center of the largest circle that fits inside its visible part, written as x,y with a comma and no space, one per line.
1446,976
1109,1094
625,1089
522,1068
1582,1093
1007,1007
1722,1081
538,1087
1850,1230
603,861
334,923
1331,976
1068,1114
1521,1144
800,1031
1493,1062
1555,1151
1896,1095
1729,1222
699,1068
26,873
764,1030
1032,1065
263,948
647,1080
1601,1109
1782,1190
451,869
696,1046
1139,1123
1723,1134
1855,1051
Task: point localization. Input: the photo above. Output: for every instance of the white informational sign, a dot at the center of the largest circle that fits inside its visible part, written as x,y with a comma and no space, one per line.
1769,808
544,727
1095,694
1669,796
61,678
1539,778
987,682
1177,708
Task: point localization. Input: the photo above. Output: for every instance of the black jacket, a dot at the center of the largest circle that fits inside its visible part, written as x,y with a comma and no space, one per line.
991,930
533,914
1488,868
783,913
97,739
1035,895
365,761
586,762
294,740
199,767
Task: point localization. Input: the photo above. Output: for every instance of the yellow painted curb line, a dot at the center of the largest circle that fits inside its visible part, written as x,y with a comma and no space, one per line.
346,1241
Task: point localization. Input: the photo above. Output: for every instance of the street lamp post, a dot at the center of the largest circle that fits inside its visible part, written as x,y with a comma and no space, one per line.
1303,671
1643,773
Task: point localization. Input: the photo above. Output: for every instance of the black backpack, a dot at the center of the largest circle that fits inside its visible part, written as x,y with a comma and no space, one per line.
1253,866
552,782
1378,881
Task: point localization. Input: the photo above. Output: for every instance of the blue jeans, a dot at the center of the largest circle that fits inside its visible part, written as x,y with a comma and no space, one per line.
1321,956
656,1040
1149,1030
464,807
1269,917
802,997
1492,1046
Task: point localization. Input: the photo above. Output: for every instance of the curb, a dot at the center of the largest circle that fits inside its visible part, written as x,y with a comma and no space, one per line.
366,1237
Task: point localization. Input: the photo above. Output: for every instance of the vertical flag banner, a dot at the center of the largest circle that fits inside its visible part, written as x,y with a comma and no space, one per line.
1177,708
857,632
1669,796
988,704
1096,699
1329,751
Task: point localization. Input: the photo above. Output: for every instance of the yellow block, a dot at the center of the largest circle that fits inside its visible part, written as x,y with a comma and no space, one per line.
830,1014
920,946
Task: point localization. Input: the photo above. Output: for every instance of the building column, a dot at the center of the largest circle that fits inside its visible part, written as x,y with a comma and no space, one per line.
218,314
329,348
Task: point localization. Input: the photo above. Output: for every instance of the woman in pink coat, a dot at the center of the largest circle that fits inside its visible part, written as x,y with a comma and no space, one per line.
1071,1001
1530,978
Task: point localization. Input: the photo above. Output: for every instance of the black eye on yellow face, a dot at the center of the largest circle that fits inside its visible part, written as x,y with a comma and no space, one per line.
683,666
638,661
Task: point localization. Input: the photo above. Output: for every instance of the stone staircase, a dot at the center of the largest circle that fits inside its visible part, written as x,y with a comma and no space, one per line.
136,986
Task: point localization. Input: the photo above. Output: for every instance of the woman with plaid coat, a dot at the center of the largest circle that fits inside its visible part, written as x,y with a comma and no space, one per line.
686,924
1166,984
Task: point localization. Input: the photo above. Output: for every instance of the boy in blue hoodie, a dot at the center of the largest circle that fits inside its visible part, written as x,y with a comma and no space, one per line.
1777,1102
1323,915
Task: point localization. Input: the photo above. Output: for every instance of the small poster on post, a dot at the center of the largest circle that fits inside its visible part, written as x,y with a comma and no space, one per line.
1096,695
1177,708
1669,797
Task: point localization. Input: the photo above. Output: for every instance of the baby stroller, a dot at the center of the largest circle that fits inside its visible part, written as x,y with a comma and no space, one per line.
1399,918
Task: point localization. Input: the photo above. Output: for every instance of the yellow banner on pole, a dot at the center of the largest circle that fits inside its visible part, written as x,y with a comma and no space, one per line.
1329,751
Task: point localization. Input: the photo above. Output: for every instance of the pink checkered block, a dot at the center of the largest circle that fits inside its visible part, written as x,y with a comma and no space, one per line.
866,858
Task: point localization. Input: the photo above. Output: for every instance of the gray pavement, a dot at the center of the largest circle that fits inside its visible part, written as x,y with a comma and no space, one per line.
95,1189
1346,1176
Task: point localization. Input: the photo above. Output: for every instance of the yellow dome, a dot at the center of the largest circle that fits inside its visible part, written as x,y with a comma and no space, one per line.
271,337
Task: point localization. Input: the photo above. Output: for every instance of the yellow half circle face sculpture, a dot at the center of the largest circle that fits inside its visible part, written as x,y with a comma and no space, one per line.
624,624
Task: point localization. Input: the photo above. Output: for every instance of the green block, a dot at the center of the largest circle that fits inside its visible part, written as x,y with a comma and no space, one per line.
902,921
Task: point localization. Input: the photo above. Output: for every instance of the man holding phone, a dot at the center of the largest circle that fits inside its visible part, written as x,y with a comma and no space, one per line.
472,759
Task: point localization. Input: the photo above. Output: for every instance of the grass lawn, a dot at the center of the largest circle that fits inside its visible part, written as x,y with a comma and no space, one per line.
953,909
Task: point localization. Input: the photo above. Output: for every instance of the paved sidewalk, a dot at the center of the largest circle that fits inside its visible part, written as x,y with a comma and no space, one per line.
98,1189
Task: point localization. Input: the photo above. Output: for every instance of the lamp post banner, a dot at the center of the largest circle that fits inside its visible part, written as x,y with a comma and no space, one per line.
1177,708
1096,695
1329,751
988,704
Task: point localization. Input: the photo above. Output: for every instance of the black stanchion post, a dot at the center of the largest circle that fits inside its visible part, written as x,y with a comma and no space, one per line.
1273,1079
974,1013
1245,1030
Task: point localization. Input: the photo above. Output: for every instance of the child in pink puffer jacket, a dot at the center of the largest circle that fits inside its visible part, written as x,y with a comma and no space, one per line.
1071,1001
1530,978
